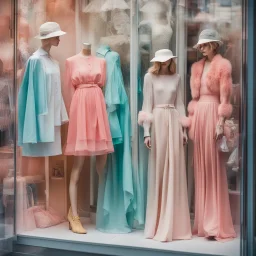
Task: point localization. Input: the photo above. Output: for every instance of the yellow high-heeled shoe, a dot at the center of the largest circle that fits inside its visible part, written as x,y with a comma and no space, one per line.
75,223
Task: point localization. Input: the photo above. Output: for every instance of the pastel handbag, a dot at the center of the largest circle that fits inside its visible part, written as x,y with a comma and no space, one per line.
231,134
233,160
222,145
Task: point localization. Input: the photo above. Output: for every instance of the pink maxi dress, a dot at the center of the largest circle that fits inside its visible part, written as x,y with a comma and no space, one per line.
88,131
212,207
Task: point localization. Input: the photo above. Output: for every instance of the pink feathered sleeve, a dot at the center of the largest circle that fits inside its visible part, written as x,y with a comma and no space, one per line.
103,73
225,108
145,117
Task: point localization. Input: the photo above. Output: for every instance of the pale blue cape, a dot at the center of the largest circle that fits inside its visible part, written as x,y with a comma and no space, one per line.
32,102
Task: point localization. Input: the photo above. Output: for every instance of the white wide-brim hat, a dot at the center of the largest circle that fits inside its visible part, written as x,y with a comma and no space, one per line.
207,36
49,29
163,55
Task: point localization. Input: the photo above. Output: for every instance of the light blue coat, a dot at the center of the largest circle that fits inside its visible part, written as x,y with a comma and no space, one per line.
40,104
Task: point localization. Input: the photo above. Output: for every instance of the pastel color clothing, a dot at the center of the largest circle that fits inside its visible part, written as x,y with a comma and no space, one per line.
167,214
88,131
41,109
115,205
211,99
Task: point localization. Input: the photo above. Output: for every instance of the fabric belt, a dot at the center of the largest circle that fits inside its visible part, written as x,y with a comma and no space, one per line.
165,106
209,98
82,86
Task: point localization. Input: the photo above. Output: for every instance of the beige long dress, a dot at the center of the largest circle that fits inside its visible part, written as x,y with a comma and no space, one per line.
167,213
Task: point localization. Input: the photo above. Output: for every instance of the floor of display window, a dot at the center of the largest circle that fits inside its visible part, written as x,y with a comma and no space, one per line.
60,237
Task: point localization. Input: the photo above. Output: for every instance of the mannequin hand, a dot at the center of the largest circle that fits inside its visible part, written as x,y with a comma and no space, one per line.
147,142
185,137
219,132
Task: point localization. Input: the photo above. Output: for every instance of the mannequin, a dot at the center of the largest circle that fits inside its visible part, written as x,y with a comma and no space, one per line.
119,40
157,14
88,132
162,117
6,81
41,109
45,107
211,86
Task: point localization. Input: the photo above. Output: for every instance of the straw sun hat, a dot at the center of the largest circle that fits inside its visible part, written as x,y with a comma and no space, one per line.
163,55
50,29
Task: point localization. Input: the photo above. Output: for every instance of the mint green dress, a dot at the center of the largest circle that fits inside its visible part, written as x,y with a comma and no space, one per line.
115,205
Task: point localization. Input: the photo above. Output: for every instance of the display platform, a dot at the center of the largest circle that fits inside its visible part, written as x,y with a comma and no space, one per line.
60,237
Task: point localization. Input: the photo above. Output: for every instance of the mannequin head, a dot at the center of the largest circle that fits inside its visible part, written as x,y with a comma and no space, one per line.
209,49
208,43
50,33
121,22
49,42
168,66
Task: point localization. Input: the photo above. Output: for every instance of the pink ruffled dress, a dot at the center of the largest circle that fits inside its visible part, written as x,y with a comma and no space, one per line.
88,131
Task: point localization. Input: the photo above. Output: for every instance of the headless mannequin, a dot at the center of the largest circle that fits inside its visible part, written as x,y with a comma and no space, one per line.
160,23
79,160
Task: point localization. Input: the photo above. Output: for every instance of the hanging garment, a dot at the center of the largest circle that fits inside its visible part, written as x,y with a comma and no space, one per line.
41,109
210,92
115,207
88,131
111,5
167,214
94,6
141,170
6,92
6,117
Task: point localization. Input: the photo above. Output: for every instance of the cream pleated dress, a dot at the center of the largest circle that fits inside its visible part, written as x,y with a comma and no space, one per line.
167,213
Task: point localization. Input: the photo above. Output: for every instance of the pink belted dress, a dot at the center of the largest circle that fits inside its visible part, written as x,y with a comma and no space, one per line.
88,131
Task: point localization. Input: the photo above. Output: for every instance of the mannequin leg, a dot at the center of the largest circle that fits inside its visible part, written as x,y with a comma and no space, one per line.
76,170
100,163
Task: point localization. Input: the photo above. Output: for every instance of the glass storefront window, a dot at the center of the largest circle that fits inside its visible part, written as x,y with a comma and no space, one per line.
7,127
179,25
134,31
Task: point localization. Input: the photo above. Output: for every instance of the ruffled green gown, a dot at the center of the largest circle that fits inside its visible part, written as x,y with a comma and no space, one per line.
116,205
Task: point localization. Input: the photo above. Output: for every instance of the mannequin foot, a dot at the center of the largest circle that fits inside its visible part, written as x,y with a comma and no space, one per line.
75,224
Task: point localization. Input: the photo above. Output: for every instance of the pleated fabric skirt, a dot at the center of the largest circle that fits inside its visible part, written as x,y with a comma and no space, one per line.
212,207
88,131
167,214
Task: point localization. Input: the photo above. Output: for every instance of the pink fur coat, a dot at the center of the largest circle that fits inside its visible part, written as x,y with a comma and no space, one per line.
218,81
